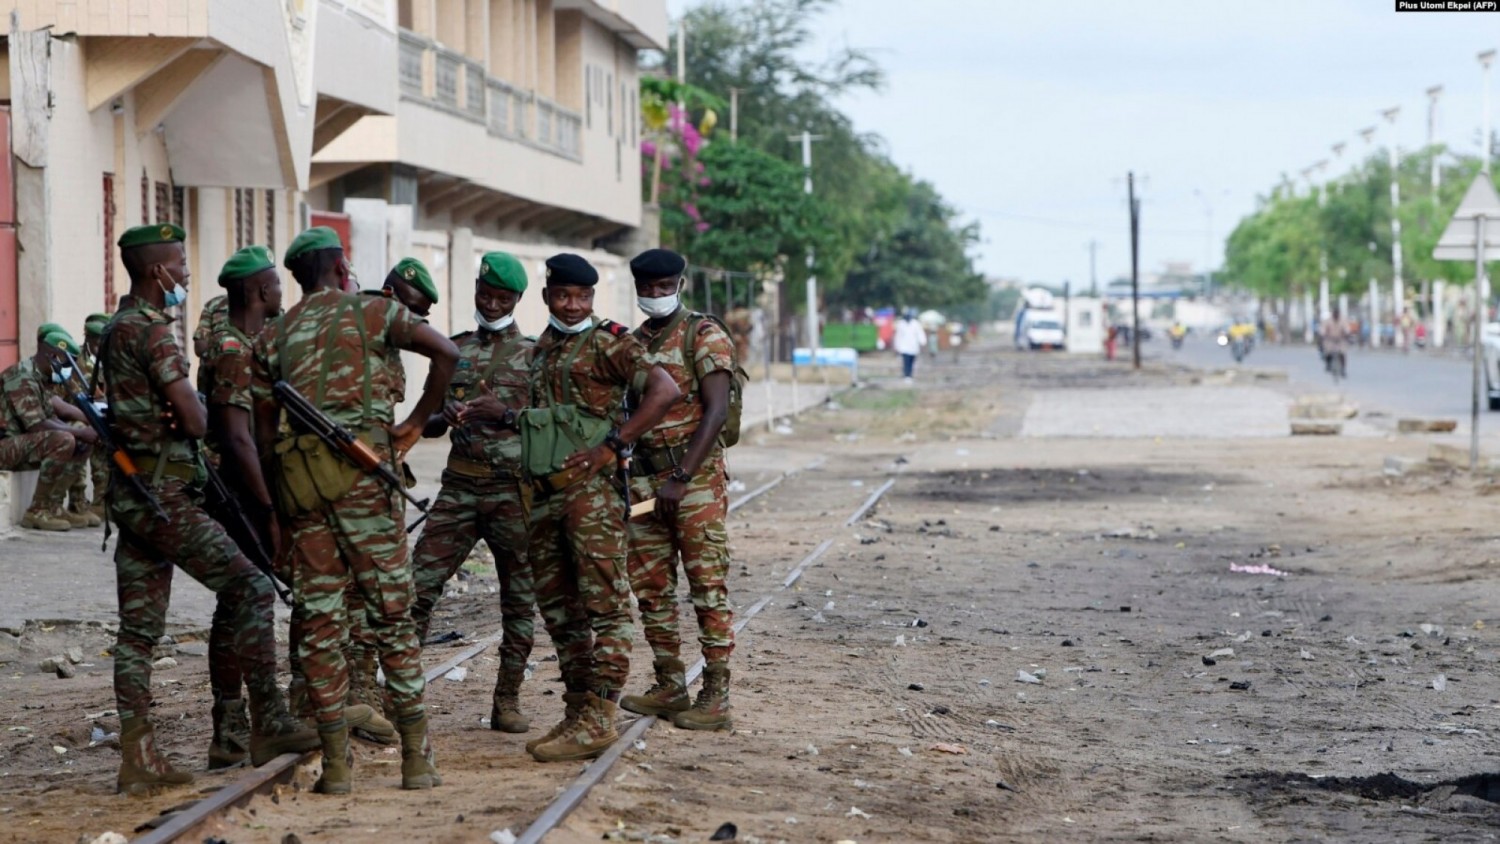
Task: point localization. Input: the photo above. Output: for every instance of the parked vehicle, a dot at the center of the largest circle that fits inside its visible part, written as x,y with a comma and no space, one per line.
1041,330
1491,338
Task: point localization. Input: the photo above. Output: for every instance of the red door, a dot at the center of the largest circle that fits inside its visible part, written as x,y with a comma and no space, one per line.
10,296
337,222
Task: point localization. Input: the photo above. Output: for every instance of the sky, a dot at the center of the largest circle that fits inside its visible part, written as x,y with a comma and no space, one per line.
1027,114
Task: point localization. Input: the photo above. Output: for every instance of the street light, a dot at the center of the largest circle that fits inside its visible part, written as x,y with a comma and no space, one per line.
1485,58
1208,239
1397,293
1432,100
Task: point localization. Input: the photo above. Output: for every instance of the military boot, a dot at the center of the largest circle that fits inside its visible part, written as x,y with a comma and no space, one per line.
231,741
80,516
669,695
338,759
573,705
418,761
505,704
591,734
711,710
39,519
273,730
143,769
364,707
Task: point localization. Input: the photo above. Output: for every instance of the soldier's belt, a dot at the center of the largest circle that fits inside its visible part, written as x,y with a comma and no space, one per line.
148,465
558,481
478,470
655,461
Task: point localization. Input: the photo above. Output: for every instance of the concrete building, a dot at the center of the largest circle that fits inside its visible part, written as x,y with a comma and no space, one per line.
435,128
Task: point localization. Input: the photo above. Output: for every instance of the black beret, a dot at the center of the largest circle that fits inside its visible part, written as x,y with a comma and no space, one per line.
657,263
569,270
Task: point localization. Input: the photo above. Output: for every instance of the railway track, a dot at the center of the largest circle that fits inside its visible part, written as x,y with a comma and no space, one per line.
180,824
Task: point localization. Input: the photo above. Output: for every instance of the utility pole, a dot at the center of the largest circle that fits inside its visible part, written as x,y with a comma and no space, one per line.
1398,292
1485,59
734,115
807,139
1093,272
1368,133
1135,271
1432,116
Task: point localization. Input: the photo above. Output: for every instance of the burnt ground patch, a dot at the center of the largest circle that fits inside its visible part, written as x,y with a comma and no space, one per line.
1472,793
1011,486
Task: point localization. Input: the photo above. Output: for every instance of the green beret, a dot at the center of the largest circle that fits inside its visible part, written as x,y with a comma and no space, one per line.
415,273
315,238
94,325
48,328
61,340
569,270
154,233
502,270
245,263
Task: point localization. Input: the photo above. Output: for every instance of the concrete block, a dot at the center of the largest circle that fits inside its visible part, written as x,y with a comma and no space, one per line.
1402,466
1448,455
1322,411
1422,426
1316,428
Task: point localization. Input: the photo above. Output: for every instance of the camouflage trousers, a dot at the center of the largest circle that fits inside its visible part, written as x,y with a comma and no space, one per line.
55,453
224,675
577,555
697,536
97,471
362,540
148,548
468,510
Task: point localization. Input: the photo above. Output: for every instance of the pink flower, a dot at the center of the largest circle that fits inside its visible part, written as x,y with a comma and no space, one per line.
648,149
700,228
691,210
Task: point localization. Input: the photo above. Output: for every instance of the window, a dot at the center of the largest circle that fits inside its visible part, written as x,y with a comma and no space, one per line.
164,203
609,104
244,217
109,242
271,221
145,200
588,96
634,119
179,202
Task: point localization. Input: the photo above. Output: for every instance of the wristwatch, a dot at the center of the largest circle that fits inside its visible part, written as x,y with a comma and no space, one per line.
508,419
621,448
680,475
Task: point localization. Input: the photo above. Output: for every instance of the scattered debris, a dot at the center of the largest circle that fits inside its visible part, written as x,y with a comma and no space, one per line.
1258,568
65,670
856,812
1426,426
946,747
1439,683
1240,686
1025,677
1144,532
726,832
457,675
164,663
916,687
900,640
109,838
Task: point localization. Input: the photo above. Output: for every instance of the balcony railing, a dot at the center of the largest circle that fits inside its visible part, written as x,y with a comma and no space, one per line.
442,78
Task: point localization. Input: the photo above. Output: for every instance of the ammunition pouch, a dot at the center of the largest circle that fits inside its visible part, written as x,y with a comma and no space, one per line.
656,461
549,435
156,468
310,475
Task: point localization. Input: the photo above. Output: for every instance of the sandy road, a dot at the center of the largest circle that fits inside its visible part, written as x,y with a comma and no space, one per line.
991,555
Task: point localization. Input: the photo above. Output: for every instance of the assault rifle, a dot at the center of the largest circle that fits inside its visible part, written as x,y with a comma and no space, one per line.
231,507
117,455
307,417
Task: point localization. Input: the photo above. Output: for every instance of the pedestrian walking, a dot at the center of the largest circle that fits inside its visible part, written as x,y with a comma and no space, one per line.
909,340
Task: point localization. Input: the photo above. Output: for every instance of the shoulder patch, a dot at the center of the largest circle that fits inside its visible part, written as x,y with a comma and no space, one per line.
231,344
614,328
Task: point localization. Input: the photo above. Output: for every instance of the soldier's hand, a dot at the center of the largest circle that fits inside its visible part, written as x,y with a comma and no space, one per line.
593,460
669,500
484,408
403,437
278,543
451,412
86,435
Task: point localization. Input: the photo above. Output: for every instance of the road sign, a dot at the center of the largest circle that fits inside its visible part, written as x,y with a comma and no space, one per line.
1461,237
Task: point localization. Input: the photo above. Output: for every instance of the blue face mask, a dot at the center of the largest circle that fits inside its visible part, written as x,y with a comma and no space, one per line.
63,375
174,297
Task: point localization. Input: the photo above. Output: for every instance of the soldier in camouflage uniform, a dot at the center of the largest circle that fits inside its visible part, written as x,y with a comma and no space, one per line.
578,540
76,505
331,346
156,418
483,495
211,320
93,332
409,283
680,463
34,434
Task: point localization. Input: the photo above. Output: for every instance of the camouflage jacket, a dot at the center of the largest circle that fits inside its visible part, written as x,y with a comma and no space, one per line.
610,363
231,359
337,355
499,359
140,358
214,317
712,351
25,398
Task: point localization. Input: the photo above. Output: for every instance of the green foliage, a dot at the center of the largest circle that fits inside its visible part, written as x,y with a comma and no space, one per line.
880,237
1275,251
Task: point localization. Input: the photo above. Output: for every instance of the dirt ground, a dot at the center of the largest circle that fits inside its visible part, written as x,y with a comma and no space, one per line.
1028,639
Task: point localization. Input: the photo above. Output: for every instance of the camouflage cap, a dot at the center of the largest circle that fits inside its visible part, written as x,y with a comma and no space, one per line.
61,340
414,272
315,238
245,263
154,233
502,270
94,325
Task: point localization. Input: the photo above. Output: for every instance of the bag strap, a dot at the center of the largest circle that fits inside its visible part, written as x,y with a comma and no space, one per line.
540,362
366,391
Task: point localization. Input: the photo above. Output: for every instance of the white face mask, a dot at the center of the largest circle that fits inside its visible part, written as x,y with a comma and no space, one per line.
659,306
62,376
498,325
579,328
